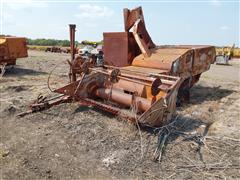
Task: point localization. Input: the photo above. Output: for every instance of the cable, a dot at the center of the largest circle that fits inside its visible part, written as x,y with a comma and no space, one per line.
50,76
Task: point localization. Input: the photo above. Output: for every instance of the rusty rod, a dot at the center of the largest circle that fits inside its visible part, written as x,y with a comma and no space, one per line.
143,73
134,79
72,28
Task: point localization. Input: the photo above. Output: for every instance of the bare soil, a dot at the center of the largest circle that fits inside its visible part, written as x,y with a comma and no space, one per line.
75,142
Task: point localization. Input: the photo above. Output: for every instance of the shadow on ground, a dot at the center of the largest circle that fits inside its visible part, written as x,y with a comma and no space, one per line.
200,94
179,125
87,108
17,71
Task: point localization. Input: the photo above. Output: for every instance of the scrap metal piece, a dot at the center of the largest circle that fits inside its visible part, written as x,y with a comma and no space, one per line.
39,106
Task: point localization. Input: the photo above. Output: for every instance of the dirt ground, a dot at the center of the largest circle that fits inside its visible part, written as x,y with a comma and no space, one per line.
73,142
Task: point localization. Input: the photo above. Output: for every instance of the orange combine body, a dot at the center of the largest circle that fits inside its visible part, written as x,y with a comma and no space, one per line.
135,50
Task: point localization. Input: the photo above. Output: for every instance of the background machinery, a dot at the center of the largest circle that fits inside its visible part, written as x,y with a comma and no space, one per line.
224,54
11,48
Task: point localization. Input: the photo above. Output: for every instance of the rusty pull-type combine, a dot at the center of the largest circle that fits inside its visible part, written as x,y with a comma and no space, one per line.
139,81
145,97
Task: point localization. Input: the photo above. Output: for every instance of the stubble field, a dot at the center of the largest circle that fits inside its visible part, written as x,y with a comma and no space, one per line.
75,142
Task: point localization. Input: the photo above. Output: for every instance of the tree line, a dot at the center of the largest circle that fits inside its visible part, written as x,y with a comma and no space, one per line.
49,42
55,42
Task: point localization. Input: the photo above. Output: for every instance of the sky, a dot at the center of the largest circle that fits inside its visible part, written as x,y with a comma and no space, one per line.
207,22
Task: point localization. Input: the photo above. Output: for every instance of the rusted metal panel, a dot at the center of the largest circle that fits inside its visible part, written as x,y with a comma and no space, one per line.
119,48
116,49
159,59
192,60
130,18
203,58
162,55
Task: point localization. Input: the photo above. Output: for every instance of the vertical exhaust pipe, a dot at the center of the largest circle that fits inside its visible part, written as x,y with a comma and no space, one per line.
72,29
